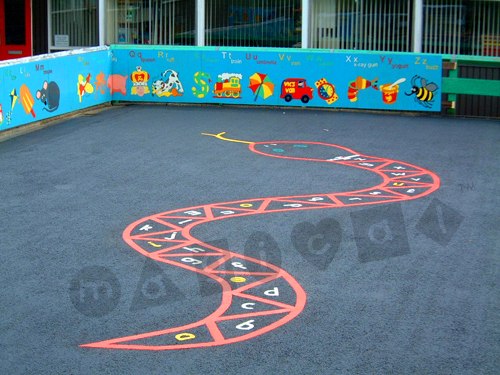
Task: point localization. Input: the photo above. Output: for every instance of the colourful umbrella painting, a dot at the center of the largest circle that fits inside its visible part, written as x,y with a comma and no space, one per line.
261,86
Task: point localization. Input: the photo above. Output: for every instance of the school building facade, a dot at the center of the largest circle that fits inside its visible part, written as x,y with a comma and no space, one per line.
447,27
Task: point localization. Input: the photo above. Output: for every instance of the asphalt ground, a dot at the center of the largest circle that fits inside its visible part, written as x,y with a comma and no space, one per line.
428,305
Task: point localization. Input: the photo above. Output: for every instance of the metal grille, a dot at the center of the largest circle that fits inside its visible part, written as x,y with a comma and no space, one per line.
151,22
272,23
366,25
74,24
478,105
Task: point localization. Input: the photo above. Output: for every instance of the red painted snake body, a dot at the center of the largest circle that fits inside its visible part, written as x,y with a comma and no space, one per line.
257,297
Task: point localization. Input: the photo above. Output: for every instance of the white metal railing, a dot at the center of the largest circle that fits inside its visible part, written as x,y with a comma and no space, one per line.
444,23
485,30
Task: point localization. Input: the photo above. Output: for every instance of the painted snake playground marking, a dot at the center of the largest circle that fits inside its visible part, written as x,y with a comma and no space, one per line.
257,297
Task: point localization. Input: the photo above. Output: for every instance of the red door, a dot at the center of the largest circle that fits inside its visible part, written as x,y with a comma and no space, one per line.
15,29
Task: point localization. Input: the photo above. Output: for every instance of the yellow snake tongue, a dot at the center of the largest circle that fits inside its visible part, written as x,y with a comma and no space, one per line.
221,137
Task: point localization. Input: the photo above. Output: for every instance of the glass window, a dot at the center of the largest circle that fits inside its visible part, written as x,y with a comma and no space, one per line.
381,25
462,27
449,26
272,23
74,24
151,22
15,30
455,27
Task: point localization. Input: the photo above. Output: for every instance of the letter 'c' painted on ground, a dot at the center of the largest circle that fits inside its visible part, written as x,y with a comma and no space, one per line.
248,305
257,297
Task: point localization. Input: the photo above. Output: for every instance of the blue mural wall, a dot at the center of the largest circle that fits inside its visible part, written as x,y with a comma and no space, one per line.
34,89
38,88
363,80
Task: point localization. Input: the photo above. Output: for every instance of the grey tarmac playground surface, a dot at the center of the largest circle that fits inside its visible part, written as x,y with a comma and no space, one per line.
400,288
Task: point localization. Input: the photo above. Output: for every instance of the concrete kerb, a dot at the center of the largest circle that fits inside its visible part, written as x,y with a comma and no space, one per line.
35,126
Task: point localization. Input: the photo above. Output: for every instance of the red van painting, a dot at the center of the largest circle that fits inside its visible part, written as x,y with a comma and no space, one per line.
296,88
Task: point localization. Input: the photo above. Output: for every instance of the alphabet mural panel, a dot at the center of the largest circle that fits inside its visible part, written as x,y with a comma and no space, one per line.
38,88
251,76
35,89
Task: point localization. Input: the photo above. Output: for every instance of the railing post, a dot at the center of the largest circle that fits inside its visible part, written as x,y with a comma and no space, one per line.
200,23
305,24
49,26
418,22
101,11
